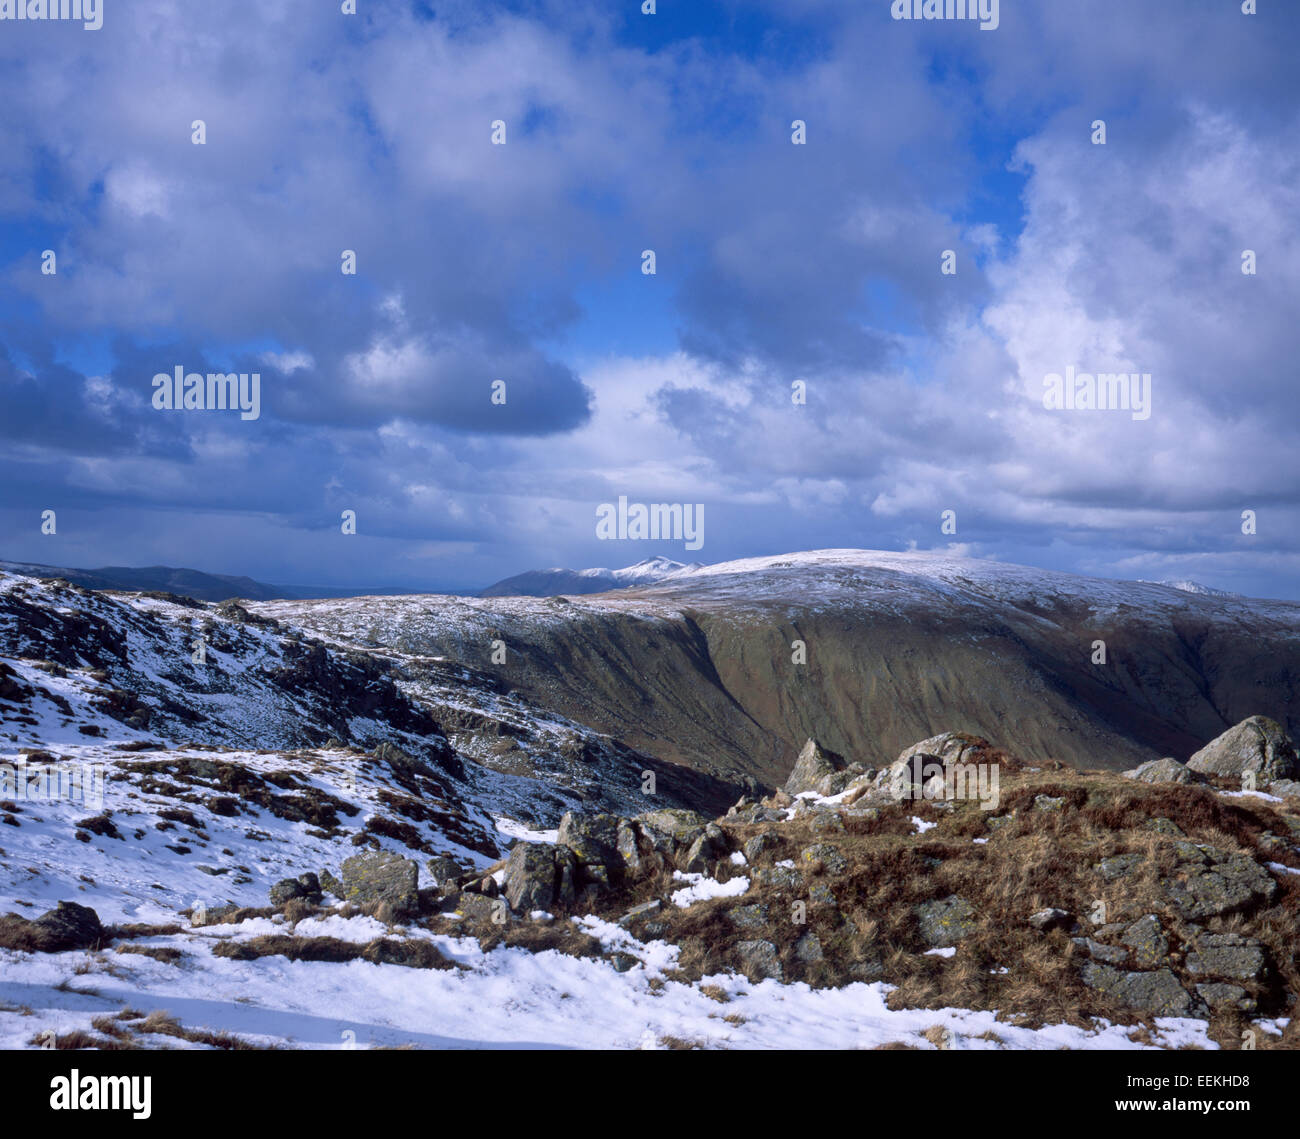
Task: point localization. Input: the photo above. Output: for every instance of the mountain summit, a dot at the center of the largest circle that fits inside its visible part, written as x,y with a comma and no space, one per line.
553,582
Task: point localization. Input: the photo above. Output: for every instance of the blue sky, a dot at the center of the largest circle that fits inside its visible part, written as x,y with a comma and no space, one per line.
775,263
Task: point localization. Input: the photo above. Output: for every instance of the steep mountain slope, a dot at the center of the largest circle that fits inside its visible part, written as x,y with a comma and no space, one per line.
700,669
78,666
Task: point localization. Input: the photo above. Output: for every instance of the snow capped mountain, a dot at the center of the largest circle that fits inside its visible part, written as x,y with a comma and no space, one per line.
554,582
697,666
1197,587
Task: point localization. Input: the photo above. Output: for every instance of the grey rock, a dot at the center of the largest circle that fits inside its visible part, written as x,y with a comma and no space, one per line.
1213,882
1047,803
1051,918
759,961
754,916
1221,996
813,765
1227,955
760,844
1147,940
1162,771
531,876
1118,866
379,877
945,922
1157,993
833,862
444,870
808,949
1110,954
1257,744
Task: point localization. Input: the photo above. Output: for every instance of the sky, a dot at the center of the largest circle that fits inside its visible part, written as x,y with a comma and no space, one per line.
777,264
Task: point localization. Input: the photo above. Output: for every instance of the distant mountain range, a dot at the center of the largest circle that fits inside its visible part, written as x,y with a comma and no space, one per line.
554,582
186,583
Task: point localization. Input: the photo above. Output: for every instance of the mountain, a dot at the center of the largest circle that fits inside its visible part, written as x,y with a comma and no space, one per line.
556,582
307,823
700,668
183,582
1196,587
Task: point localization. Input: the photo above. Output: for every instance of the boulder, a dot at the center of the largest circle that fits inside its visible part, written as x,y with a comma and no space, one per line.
444,870
949,748
531,876
813,765
286,890
706,850
759,960
479,907
677,824
380,877
1212,882
1257,745
1221,996
753,916
593,839
760,844
67,926
1157,993
1227,955
1147,940
827,856
1050,919
945,922
1161,771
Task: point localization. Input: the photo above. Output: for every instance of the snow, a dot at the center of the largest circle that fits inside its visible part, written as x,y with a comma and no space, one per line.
702,888
504,998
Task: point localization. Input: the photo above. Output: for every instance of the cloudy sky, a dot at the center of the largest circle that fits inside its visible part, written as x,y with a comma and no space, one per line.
775,263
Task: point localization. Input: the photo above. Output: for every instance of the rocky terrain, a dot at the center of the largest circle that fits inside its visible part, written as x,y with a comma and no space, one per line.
316,835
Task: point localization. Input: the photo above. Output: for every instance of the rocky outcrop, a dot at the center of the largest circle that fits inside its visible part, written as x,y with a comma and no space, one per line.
814,765
1258,746
378,878
1162,771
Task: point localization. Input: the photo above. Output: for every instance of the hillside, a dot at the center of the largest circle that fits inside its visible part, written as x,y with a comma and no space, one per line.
698,669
